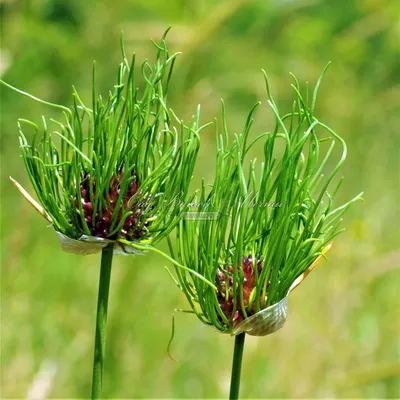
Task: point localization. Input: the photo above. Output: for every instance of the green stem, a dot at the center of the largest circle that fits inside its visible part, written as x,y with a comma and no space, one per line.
237,366
101,320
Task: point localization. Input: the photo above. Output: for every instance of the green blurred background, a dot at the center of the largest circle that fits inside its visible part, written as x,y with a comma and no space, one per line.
341,338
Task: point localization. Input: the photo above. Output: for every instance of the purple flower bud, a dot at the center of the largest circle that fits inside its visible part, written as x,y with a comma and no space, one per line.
88,207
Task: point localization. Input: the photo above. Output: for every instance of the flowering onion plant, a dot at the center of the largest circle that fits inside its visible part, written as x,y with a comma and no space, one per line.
261,228
105,175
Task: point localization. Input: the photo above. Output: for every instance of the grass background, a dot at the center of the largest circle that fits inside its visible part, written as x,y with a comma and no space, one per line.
341,338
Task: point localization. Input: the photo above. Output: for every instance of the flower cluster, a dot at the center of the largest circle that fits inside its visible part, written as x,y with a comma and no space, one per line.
251,268
101,224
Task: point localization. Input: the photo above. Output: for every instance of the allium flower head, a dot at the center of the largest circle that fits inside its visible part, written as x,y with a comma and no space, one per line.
262,227
107,172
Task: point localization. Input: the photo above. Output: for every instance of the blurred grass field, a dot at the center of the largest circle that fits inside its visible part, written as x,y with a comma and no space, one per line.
342,335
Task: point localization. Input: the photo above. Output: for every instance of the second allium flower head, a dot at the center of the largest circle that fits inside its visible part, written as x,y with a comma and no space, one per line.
269,223
104,173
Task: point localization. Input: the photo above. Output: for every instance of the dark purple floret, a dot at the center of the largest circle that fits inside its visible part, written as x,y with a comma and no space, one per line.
226,302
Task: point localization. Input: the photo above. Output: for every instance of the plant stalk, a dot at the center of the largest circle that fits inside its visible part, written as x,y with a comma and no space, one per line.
237,366
101,320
